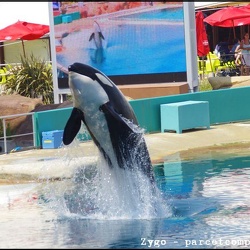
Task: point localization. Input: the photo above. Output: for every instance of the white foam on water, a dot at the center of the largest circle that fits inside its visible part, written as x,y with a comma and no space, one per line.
98,191
11,193
127,194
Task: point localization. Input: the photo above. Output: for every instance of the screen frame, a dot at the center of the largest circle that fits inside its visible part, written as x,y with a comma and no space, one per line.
190,76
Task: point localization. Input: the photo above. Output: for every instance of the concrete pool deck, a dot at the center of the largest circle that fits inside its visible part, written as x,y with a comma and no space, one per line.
168,146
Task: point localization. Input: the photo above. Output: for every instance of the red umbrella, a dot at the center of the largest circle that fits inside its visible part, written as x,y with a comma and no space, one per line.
201,35
24,31
245,7
228,17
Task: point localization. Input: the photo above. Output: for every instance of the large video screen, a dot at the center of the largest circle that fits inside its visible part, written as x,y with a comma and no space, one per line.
130,42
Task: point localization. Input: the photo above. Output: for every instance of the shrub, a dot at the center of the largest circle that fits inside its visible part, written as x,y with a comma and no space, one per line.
205,85
32,78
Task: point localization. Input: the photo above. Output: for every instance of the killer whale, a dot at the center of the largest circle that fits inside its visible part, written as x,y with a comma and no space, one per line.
97,36
109,119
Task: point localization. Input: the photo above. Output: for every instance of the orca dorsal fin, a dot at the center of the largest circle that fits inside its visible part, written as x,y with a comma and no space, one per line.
91,36
73,126
101,35
108,109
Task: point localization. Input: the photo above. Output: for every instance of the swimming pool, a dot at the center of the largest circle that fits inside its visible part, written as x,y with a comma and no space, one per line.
143,46
207,205
167,14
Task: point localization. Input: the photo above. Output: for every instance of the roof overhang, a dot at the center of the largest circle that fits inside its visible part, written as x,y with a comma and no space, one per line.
215,5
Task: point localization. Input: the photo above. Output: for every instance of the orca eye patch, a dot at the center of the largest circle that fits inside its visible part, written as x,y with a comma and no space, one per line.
103,79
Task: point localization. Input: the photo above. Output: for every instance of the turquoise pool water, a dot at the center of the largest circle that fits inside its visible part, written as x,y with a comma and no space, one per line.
202,203
170,14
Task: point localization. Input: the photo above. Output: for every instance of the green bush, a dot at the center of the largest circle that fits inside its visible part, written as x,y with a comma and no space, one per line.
32,78
204,85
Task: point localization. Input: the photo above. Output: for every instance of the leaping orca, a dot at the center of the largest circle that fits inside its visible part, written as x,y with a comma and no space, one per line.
108,117
97,36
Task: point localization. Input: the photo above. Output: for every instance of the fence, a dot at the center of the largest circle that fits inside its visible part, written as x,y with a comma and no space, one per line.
4,129
225,106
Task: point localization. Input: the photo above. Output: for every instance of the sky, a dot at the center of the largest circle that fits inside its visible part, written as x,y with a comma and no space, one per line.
198,4
34,12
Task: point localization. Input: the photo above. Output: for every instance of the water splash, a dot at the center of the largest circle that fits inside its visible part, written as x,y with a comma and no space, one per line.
97,191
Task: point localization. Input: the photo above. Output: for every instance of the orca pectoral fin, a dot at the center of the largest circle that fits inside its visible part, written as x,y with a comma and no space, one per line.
127,138
73,126
101,35
108,109
91,36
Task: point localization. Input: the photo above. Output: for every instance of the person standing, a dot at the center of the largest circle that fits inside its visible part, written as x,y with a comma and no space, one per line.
235,45
236,51
245,52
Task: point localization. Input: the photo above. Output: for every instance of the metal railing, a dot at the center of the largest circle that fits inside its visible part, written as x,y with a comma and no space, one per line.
5,136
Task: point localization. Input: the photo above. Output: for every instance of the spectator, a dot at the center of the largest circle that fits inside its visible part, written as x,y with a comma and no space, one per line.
245,46
236,51
235,45
222,50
